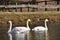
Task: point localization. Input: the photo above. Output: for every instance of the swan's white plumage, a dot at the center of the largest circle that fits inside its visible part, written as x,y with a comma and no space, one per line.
18,29
41,28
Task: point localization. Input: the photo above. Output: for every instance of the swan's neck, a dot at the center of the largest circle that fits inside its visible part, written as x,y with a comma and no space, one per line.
27,24
10,36
45,24
10,27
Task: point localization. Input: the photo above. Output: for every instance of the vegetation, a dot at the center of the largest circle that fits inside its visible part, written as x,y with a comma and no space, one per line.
19,19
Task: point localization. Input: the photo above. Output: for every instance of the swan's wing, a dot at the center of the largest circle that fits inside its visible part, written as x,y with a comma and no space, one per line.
19,29
38,27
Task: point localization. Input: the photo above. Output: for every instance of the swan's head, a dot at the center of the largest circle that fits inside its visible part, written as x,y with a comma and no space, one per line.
29,20
46,20
10,21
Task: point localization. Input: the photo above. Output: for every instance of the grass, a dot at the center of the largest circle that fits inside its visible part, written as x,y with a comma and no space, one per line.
20,18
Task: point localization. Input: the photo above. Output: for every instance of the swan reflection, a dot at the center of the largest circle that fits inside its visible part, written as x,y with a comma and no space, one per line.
10,36
20,36
40,35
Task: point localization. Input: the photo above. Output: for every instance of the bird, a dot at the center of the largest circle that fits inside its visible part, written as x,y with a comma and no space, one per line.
19,29
41,28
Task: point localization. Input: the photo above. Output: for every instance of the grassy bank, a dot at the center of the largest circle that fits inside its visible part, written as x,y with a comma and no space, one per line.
20,18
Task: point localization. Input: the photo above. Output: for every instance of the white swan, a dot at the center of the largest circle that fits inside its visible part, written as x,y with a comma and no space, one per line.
41,28
19,29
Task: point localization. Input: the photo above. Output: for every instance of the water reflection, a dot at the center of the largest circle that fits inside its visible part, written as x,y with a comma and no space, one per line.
3,36
39,35
20,36
53,34
10,36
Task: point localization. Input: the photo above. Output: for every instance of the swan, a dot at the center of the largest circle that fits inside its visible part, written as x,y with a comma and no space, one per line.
41,28
19,29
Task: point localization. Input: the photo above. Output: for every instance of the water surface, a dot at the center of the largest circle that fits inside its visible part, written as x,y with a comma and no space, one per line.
53,34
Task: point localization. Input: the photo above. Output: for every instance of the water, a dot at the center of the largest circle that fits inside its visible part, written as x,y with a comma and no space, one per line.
20,36
39,35
52,34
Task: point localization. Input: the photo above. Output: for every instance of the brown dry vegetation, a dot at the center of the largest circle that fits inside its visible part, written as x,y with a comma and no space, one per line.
19,19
